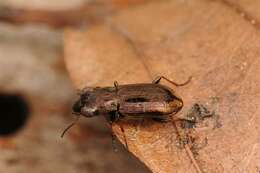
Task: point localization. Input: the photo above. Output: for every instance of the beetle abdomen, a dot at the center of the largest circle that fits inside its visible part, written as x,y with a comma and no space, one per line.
151,107
155,99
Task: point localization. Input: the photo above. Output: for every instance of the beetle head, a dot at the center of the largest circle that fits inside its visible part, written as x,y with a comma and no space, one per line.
86,104
82,107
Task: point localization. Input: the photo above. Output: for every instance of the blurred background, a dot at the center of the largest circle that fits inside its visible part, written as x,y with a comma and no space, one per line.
36,93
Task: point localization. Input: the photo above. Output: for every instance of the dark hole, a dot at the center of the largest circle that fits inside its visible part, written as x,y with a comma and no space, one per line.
138,99
14,112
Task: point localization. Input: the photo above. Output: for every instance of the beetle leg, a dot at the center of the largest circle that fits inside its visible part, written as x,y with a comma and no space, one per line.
111,119
113,136
123,131
118,115
116,85
158,79
115,116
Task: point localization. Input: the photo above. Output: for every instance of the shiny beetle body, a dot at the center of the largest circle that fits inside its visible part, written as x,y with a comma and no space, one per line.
132,101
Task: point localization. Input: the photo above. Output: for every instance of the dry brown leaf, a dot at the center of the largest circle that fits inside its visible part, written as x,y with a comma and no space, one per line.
209,40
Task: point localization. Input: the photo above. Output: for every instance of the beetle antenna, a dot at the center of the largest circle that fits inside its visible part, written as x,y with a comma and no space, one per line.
72,124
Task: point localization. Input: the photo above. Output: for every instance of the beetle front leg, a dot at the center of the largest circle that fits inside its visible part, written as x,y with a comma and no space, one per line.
123,131
115,116
118,115
158,79
112,119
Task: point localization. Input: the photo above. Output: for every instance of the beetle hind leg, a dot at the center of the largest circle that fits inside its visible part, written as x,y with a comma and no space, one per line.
158,79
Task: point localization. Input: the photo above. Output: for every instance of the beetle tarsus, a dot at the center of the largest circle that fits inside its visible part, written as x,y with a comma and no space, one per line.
158,79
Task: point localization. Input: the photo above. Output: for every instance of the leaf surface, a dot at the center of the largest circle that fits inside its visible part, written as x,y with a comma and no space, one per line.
208,40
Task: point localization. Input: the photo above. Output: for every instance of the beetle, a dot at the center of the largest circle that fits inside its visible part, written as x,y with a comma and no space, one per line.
132,101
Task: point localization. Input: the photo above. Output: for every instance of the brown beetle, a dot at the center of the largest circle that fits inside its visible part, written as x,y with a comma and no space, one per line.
132,101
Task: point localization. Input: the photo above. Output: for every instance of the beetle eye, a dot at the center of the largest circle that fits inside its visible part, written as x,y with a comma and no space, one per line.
77,107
